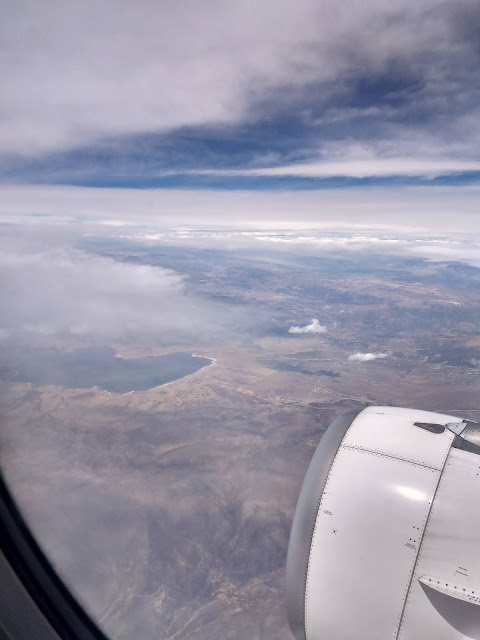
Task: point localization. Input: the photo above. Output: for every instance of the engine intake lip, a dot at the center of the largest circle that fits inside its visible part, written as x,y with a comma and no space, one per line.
305,518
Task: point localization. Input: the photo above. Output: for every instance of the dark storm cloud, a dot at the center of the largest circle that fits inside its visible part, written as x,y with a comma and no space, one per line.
102,91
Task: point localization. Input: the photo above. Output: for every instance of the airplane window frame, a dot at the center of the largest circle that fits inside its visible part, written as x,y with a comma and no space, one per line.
44,599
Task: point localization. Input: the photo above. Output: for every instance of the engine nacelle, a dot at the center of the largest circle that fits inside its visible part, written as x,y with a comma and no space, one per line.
385,540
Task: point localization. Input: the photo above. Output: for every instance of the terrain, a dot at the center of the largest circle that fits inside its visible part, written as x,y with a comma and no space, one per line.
172,506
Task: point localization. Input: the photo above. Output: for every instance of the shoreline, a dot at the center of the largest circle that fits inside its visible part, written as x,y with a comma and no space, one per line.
213,361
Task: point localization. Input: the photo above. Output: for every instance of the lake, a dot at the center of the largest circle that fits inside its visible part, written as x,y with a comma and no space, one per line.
101,367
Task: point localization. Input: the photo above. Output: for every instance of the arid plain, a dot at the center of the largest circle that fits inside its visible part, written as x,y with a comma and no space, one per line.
168,510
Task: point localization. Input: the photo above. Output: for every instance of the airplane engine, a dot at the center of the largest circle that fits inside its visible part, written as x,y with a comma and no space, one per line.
385,542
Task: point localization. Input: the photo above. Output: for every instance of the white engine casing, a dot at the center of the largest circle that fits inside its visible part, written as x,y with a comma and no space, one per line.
385,539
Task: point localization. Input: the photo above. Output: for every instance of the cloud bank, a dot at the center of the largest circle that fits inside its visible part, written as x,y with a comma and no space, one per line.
313,327
366,357
51,288
64,290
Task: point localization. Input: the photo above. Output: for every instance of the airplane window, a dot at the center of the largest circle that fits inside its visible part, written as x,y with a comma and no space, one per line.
221,227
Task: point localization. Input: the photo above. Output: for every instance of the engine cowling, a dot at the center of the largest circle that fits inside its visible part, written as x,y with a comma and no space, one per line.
385,539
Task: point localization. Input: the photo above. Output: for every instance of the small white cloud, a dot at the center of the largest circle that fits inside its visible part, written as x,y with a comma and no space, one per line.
365,357
314,327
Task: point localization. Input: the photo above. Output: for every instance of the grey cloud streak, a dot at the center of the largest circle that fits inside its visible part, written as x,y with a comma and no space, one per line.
364,165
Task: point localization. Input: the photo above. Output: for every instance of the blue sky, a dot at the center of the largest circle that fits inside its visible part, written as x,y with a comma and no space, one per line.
235,95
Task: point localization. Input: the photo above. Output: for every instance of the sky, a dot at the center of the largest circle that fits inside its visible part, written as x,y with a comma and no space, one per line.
311,126
269,126
236,95
307,126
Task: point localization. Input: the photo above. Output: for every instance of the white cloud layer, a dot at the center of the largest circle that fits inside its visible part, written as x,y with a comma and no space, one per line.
366,357
76,71
313,327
